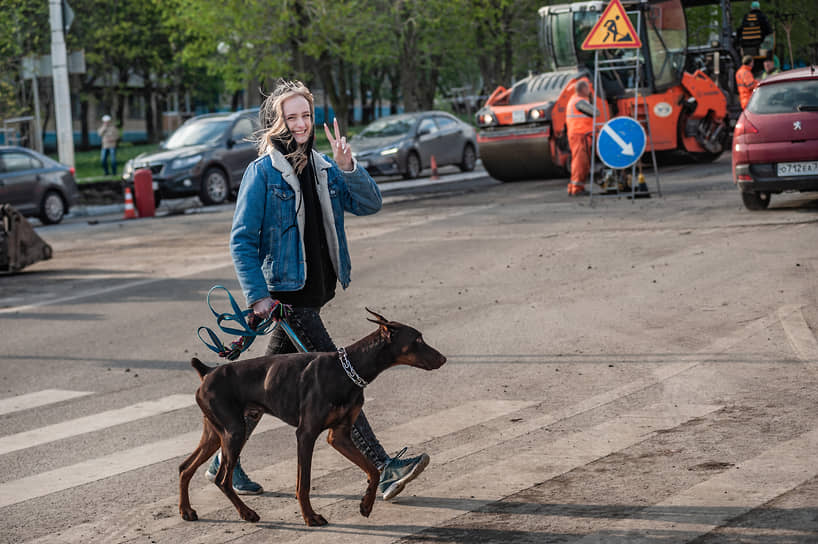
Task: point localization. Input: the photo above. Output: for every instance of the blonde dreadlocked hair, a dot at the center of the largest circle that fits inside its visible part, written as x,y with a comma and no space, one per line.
274,126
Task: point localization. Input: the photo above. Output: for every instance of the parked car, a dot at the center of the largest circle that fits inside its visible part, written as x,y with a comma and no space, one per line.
775,142
205,157
35,185
405,143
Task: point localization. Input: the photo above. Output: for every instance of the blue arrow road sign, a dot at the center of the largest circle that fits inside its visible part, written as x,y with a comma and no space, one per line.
621,142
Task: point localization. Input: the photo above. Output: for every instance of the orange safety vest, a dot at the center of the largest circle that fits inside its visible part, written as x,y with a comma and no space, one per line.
746,83
576,121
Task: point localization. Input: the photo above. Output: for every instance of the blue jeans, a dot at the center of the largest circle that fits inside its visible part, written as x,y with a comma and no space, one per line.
307,325
108,152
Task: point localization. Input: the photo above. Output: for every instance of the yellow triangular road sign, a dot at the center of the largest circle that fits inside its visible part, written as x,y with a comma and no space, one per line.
613,30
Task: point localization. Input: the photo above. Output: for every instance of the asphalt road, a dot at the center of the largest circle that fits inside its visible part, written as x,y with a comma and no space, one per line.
622,371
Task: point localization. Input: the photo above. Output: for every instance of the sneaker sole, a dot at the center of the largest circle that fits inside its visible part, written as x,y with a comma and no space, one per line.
212,478
393,490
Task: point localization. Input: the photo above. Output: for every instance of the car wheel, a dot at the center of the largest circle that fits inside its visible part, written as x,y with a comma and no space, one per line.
755,201
469,159
214,187
52,208
412,166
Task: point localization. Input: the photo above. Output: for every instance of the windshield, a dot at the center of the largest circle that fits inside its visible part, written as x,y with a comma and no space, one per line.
199,132
785,97
387,127
667,42
562,40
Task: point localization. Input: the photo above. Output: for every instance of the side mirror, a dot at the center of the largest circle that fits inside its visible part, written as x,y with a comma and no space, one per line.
230,143
424,131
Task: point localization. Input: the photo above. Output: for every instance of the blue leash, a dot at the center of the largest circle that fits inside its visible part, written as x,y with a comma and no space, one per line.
251,327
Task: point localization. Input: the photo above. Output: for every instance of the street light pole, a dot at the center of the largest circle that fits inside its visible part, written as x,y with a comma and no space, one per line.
62,96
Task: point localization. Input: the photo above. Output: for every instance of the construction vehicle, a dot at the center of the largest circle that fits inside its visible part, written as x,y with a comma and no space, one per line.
20,245
685,95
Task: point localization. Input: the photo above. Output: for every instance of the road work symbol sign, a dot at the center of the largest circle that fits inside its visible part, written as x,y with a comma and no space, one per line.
621,142
613,30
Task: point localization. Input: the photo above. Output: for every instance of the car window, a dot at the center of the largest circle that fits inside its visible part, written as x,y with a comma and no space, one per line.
445,122
198,132
242,131
785,97
17,162
428,125
386,127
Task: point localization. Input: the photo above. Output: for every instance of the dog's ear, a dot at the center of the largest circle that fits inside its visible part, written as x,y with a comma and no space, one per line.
381,319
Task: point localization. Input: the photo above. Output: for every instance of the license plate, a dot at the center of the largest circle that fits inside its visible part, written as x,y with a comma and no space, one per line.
808,168
155,186
518,116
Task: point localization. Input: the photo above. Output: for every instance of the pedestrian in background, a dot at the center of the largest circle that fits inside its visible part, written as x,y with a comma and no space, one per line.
754,28
109,135
288,243
770,67
580,125
745,80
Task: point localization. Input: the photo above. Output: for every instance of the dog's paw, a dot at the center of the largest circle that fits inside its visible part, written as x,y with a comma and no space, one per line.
315,520
250,515
366,507
189,514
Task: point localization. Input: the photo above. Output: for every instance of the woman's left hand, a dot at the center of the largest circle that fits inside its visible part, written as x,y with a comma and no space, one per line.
341,152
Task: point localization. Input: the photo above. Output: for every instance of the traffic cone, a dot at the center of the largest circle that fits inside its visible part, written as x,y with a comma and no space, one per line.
130,212
434,169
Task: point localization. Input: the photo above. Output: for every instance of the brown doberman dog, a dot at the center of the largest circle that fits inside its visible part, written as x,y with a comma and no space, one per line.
310,391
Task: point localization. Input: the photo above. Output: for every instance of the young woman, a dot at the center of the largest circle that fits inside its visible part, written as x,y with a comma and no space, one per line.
288,243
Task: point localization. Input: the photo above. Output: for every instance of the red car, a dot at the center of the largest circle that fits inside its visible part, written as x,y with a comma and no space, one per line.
775,142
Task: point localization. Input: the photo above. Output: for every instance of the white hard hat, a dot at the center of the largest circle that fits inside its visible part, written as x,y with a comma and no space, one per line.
106,118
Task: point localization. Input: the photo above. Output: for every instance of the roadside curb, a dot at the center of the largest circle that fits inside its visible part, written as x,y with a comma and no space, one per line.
385,186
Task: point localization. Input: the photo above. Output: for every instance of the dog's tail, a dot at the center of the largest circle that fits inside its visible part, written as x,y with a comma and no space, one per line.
200,367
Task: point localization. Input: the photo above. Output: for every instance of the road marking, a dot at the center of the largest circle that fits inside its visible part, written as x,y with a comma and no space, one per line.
280,475
713,503
131,524
192,270
798,333
95,422
37,399
92,470
437,500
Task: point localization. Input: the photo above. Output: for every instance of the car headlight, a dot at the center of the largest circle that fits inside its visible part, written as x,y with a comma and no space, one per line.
389,151
127,171
185,162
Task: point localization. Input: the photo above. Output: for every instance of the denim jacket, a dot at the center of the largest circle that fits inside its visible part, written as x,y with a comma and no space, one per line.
267,240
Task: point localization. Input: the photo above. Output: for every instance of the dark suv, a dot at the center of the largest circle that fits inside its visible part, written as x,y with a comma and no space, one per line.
204,157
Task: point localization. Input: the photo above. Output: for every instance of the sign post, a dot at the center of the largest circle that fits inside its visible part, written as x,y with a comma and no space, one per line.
621,140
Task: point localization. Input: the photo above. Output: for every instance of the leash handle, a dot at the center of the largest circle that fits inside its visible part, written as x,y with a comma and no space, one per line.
251,326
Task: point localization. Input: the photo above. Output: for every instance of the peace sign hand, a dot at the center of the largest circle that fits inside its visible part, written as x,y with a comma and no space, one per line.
341,152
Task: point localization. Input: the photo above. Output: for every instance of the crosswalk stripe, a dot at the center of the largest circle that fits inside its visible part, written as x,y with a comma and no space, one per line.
798,333
517,471
92,470
95,422
711,504
282,474
37,399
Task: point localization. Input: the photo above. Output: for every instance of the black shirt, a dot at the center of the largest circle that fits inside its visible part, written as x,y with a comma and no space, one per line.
319,287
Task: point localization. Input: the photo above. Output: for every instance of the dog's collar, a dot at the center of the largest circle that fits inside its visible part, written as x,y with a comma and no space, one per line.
356,379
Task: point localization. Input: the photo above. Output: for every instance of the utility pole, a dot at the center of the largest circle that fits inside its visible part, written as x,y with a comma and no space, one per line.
62,96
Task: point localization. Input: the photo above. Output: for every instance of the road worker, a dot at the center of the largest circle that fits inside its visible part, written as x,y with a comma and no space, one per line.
579,120
745,80
753,29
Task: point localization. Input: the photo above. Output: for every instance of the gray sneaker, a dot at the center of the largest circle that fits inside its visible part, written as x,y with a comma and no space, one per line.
399,472
242,484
